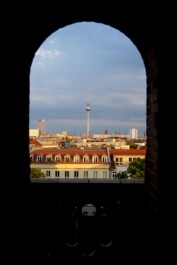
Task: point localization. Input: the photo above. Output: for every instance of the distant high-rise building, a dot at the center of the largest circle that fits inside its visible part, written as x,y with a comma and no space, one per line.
88,109
133,134
106,132
42,127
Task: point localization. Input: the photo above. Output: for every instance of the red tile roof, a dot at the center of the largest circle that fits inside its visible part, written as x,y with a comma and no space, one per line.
69,151
127,151
35,142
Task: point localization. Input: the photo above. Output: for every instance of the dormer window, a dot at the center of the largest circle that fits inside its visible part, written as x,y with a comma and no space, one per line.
67,158
76,158
49,158
39,158
57,158
85,158
95,159
104,159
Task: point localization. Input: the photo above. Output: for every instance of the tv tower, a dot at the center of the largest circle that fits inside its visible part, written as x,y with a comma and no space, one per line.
88,109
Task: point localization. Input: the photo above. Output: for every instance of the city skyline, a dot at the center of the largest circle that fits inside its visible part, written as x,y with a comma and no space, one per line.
88,59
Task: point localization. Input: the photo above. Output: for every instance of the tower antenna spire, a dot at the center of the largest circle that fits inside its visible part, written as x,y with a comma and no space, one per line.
88,109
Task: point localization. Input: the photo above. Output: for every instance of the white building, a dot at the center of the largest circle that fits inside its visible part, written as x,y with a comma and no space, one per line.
133,134
33,133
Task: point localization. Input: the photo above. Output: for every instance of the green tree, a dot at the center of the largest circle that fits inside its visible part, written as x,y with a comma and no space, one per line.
132,144
36,173
136,168
122,175
67,139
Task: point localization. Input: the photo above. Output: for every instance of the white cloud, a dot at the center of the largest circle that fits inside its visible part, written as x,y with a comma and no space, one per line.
47,54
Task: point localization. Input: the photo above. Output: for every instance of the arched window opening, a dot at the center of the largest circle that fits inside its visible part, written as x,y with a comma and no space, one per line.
88,86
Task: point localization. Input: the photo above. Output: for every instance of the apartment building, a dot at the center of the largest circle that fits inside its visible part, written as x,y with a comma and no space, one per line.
83,163
122,157
72,163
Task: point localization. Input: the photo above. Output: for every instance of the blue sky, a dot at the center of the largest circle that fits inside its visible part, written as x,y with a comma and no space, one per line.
88,60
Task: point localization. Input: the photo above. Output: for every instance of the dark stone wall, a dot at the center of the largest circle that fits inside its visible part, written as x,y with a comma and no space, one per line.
25,29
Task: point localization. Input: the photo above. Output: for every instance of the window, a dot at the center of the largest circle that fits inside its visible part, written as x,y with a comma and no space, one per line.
114,174
67,158
85,174
85,159
104,159
95,174
58,158
104,174
66,174
39,158
119,160
57,174
95,159
48,158
47,173
76,158
99,97
76,174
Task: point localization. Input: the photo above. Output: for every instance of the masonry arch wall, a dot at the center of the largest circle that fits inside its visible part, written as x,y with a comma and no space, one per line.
148,52
25,28
142,32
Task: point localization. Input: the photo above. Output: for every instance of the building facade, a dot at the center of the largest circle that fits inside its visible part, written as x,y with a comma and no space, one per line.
72,164
83,163
122,157
133,134
42,127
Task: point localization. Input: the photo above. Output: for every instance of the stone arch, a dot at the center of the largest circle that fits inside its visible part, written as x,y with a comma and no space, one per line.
150,57
26,28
